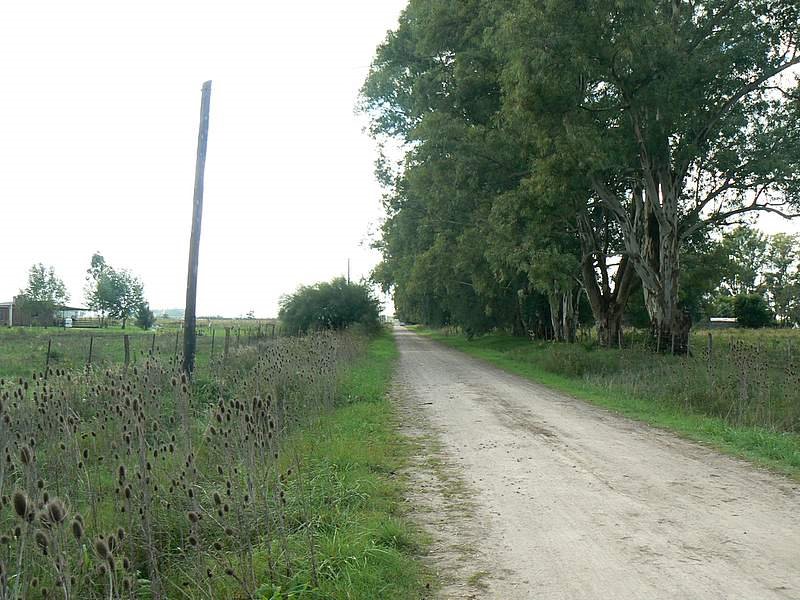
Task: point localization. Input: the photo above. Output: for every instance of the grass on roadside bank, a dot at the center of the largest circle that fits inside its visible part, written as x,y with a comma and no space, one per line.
366,548
270,476
778,450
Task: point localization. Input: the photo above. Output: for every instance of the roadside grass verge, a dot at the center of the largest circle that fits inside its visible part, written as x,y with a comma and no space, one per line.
365,547
612,387
272,475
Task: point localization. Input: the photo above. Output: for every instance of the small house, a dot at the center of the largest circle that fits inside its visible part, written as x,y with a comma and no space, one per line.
6,314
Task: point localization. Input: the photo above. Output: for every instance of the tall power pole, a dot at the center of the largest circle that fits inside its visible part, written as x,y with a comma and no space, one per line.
190,316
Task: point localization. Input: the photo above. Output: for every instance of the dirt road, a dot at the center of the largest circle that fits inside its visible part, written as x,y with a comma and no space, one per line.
561,500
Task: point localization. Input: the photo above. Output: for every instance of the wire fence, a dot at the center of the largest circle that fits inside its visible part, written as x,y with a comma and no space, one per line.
29,350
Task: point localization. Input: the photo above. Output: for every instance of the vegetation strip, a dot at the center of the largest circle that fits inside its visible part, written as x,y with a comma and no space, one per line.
776,450
366,547
270,476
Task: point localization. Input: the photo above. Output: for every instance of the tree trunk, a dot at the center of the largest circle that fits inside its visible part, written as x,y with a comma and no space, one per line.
608,306
519,327
556,320
564,315
569,315
660,255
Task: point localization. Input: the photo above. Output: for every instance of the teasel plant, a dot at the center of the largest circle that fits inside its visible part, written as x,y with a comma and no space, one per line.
112,481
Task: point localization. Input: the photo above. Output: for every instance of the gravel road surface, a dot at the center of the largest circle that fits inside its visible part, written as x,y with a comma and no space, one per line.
562,500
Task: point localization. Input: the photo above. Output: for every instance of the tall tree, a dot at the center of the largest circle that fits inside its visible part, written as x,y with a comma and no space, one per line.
679,113
113,293
43,294
745,248
780,280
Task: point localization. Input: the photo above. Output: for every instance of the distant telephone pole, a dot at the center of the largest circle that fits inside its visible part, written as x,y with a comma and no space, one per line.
190,316
348,271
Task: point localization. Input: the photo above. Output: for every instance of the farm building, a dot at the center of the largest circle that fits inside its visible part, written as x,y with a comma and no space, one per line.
64,312
12,314
722,322
6,314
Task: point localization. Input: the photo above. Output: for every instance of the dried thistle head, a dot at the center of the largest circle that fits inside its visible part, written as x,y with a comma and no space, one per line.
101,548
56,511
77,529
21,504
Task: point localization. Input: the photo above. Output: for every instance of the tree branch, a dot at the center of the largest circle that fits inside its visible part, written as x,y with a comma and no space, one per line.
751,86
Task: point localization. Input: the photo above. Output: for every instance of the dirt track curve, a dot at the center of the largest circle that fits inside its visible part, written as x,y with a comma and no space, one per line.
562,500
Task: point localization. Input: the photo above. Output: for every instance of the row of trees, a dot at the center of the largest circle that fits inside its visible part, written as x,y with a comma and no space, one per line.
573,155
113,293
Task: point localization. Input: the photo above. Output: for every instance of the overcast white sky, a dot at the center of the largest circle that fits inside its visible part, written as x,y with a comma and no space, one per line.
99,106
99,103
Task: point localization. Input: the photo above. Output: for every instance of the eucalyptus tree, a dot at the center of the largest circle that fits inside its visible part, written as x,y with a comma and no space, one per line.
116,293
682,115
434,88
745,248
782,276
435,85
43,294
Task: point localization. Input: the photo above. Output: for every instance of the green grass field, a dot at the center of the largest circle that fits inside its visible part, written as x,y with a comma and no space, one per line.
23,350
744,401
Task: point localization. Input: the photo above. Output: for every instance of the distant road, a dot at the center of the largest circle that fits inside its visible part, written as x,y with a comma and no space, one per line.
574,503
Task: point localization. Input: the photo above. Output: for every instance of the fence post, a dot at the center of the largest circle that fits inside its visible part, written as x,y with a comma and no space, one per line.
91,347
153,346
227,342
238,335
273,331
213,331
126,342
47,360
710,346
177,337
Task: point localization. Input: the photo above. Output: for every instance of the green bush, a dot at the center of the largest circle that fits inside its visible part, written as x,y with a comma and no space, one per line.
751,310
145,318
337,304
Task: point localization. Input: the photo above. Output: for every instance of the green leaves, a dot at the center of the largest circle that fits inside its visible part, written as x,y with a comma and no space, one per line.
44,286
546,139
330,305
115,293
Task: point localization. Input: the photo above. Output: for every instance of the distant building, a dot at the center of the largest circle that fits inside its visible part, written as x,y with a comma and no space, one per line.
6,314
722,322
71,312
13,315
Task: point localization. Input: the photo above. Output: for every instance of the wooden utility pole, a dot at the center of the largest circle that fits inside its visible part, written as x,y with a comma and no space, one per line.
190,317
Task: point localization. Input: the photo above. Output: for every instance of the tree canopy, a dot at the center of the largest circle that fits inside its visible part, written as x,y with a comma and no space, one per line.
579,151
113,293
43,294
